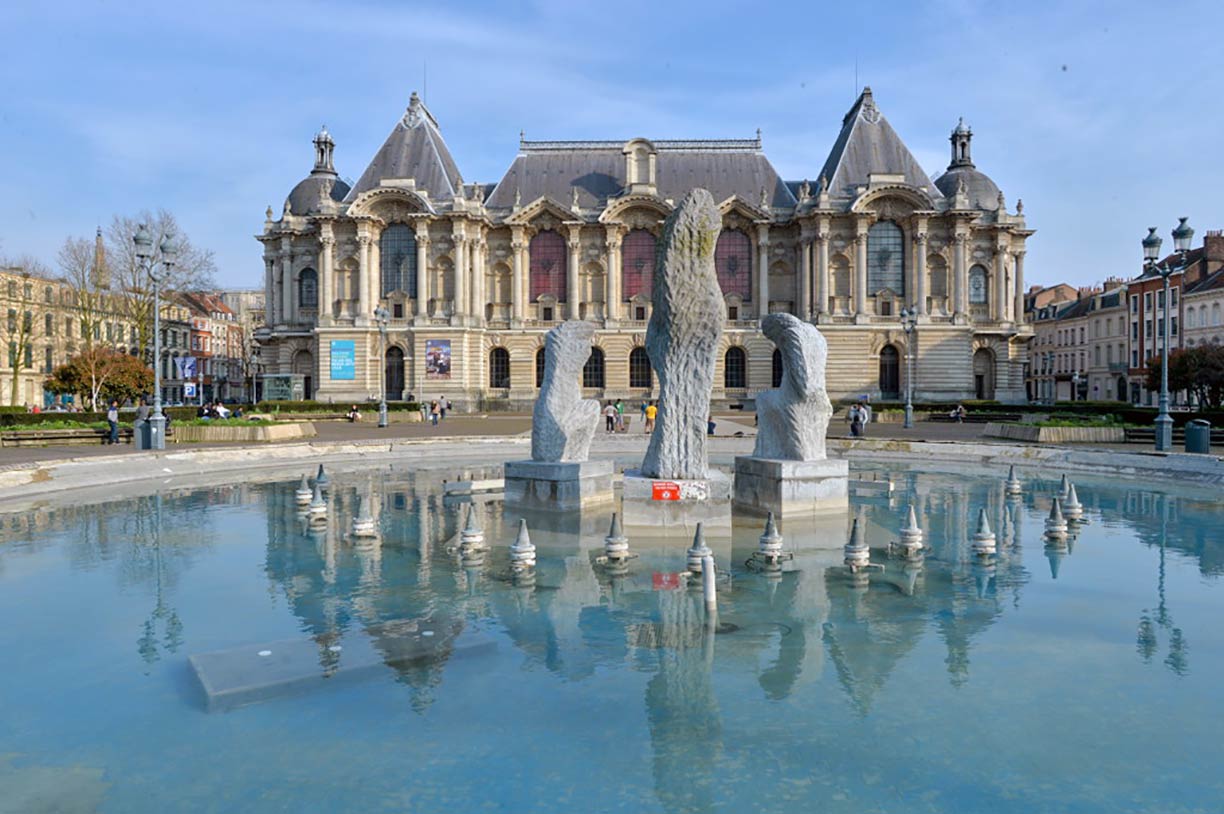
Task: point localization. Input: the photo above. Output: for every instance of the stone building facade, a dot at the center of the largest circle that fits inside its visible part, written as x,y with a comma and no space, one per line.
473,275
1078,350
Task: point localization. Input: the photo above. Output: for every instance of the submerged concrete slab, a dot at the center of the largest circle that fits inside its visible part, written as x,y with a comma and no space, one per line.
259,672
790,487
665,503
558,486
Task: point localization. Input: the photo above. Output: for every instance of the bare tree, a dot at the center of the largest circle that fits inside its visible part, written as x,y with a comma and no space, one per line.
17,325
87,272
193,268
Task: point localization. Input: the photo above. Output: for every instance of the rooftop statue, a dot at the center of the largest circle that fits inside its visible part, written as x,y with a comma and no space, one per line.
563,423
792,420
682,338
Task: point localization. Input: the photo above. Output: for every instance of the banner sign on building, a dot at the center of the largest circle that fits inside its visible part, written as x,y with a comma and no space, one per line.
343,360
186,366
437,359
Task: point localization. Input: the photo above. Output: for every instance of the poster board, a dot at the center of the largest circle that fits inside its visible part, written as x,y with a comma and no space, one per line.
343,360
437,359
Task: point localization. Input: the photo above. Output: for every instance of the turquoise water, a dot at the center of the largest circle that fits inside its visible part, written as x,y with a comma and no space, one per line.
959,688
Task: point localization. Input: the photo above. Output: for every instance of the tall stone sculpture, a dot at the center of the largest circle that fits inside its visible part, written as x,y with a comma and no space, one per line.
682,338
792,420
562,422
559,476
787,472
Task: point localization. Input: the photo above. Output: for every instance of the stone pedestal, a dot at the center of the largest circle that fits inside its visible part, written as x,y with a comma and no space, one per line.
667,504
790,487
558,486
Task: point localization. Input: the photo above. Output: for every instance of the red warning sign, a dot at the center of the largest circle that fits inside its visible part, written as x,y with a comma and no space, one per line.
665,490
664,582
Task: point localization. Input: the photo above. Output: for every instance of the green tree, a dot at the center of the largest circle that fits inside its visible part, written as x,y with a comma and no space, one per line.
104,374
1198,371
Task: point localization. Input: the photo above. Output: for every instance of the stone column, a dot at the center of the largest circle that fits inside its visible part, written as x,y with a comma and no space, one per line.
822,269
363,271
762,269
422,242
518,245
960,275
860,270
1018,312
919,300
572,295
999,289
460,269
286,281
326,295
375,265
805,277
269,292
612,278
476,263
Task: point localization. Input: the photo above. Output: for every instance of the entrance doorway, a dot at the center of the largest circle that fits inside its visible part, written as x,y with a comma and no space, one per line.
1121,388
394,371
890,372
984,374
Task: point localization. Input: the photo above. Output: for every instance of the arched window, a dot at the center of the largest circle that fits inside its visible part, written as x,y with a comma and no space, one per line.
639,368
540,367
984,374
637,263
979,291
733,262
776,380
885,258
397,252
890,372
593,370
548,265
1190,317
393,373
308,289
499,368
735,369
1215,314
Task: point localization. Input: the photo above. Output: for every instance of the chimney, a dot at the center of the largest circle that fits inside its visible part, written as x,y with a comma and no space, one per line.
1213,249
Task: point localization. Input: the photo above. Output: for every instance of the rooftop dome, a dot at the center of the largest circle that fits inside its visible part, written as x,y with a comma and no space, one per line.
981,191
304,198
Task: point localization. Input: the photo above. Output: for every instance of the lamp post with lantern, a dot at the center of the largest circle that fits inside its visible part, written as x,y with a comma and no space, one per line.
909,322
1182,237
157,271
382,316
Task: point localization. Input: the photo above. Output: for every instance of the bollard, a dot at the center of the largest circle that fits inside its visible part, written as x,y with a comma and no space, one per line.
708,591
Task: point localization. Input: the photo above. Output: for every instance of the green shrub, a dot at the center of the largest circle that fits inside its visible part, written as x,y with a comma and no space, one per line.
330,407
227,422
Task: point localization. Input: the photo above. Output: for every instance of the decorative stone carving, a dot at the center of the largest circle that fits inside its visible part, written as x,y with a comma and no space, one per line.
792,419
563,423
682,338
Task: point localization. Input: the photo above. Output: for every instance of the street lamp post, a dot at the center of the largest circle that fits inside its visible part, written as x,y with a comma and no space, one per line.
144,254
382,317
909,322
1182,237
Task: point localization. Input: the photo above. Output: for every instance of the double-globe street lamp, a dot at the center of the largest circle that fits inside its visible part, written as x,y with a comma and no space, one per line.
1182,237
157,271
382,317
909,322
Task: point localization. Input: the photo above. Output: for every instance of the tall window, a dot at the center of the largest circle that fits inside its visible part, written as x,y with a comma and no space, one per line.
48,360
637,263
593,370
499,368
539,364
890,371
48,325
733,262
885,258
397,251
735,369
308,289
548,264
979,293
639,368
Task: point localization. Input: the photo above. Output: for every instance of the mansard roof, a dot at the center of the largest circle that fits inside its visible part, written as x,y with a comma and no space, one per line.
554,169
414,149
867,144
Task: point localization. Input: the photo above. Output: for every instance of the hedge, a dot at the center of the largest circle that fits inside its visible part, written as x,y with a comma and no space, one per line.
329,407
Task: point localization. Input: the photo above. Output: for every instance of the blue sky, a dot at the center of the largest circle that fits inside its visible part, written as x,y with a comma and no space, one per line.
1104,118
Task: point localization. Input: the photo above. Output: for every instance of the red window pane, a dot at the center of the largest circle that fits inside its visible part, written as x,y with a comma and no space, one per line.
637,263
733,261
547,265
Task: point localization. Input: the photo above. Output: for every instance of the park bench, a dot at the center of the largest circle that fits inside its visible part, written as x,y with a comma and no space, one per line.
1147,435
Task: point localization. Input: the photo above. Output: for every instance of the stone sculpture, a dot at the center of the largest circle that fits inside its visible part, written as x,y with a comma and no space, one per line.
682,338
792,420
563,423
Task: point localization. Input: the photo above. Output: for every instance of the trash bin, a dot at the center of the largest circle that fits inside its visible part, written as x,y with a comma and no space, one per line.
142,434
1198,436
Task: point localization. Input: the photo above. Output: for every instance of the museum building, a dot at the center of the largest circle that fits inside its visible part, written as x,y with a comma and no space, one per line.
447,288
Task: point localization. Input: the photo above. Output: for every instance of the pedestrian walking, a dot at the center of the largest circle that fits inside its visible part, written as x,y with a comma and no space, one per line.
442,405
855,418
434,410
620,415
865,413
112,418
609,412
651,412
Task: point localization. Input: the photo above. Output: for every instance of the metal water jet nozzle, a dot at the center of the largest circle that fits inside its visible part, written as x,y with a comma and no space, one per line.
1064,487
472,536
303,493
616,544
769,556
318,506
522,551
363,522
697,551
321,478
910,546
1056,525
1013,486
984,543
857,554
1071,507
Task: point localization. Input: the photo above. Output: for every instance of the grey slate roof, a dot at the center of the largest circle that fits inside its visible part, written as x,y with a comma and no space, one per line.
305,196
981,191
597,170
868,144
414,149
